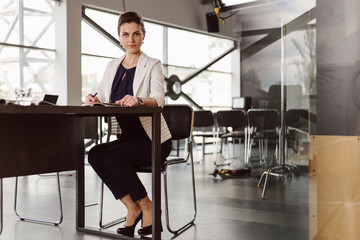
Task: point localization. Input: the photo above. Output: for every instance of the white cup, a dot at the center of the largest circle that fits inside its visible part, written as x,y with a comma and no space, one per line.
23,96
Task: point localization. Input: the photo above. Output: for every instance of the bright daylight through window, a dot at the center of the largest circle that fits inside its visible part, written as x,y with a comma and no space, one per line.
27,47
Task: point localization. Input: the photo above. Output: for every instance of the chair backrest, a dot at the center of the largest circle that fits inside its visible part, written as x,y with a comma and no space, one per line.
203,118
274,97
299,118
91,128
179,119
292,94
231,118
263,119
293,117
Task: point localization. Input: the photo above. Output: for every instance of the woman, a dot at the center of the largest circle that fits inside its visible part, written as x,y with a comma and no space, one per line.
132,80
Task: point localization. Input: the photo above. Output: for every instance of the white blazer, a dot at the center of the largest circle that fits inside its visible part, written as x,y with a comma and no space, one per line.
148,82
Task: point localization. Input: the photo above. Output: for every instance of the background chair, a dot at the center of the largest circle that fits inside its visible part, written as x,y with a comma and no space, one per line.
300,119
299,122
180,122
233,123
263,125
292,94
92,130
29,219
204,127
52,100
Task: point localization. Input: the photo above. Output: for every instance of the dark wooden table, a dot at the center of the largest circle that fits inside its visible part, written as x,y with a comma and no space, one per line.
44,139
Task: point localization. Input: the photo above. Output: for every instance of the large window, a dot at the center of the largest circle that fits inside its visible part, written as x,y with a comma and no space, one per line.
26,53
181,52
189,51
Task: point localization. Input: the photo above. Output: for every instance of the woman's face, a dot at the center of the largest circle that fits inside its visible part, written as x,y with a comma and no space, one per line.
131,37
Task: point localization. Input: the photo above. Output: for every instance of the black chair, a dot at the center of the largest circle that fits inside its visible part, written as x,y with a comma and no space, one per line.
180,122
231,124
204,127
298,123
300,119
292,94
263,125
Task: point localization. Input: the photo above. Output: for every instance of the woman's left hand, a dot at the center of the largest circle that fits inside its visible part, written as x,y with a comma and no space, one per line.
128,101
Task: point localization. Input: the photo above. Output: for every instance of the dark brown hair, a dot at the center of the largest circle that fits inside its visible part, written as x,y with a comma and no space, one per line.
129,17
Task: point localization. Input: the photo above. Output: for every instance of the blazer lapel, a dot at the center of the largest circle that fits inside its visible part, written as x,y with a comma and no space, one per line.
140,73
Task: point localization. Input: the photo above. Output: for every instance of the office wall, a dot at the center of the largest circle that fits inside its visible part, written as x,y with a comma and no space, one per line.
334,183
338,67
334,198
184,13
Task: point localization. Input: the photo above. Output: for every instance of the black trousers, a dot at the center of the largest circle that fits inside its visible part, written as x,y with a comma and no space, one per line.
115,163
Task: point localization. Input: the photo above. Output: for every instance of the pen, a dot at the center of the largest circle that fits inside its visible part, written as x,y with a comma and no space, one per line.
93,96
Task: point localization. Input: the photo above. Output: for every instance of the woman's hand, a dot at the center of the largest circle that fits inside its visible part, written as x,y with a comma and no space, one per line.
128,101
90,100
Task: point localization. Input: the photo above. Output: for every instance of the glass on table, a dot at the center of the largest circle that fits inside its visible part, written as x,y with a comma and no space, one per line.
23,96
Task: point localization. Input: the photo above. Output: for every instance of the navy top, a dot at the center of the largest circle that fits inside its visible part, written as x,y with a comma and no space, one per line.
122,85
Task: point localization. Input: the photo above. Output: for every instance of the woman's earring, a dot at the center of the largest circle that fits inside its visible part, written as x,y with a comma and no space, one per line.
143,42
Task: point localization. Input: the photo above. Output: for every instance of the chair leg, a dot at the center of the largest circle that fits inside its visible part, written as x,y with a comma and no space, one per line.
249,149
193,183
203,148
203,151
191,222
265,150
217,137
178,148
111,223
261,152
40,220
261,178
246,159
293,167
286,171
228,160
1,206
265,184
265,174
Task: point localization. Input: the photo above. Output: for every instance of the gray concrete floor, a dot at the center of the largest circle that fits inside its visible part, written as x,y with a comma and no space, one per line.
227,208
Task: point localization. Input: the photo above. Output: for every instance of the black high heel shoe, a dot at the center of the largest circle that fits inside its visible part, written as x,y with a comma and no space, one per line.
129,230
146,230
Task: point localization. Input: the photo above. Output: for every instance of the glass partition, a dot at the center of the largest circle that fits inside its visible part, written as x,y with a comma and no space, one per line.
278,72
306,67
278,68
